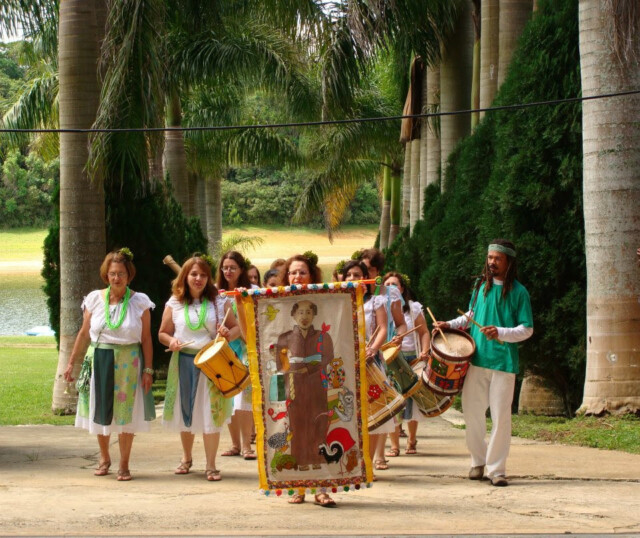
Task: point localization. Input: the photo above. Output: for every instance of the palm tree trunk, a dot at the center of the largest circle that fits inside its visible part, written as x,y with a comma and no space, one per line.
213,203
415,184
455,83
424,140
386,207
193,194
475,78
611,195
406,185
396,205
175,157
513,17
82,228
201,204
433,133
489,30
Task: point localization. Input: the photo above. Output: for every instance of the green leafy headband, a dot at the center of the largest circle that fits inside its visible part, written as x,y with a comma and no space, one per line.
126,253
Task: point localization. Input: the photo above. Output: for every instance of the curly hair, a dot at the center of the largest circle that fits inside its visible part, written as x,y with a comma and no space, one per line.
314,271
180,288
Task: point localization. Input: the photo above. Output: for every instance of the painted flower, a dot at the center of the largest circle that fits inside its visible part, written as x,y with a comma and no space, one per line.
122,396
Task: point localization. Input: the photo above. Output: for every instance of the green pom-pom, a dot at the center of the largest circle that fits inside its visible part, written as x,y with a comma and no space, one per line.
311,256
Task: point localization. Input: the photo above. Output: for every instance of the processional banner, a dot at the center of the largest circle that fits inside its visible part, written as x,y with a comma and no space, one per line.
307,361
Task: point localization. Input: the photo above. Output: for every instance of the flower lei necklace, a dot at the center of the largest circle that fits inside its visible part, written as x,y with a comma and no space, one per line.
201,315
123,312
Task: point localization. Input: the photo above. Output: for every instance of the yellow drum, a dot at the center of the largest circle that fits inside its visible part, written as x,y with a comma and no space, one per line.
221,365
384,401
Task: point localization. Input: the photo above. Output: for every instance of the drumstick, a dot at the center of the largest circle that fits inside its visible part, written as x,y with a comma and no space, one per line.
476,323
409,331
373,335
439,329
180,346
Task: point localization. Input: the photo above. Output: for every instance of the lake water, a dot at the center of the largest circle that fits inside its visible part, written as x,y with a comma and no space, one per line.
22,304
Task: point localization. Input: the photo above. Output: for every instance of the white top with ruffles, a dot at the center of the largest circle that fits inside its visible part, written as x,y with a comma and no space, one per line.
130,332
377,301
202,336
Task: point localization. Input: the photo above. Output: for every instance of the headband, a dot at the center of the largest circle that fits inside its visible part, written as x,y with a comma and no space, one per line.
500,248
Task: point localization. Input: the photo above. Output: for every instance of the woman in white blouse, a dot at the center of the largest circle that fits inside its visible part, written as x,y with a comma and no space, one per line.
192,317
116,331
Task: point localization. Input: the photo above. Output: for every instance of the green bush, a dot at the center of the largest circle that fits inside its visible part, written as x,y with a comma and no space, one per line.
519,176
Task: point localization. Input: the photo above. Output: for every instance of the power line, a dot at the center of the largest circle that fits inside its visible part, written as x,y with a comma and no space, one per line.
328,122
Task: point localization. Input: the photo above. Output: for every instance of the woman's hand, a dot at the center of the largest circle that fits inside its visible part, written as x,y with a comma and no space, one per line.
224,332
370,352
397,340
424,355
147,381
174,344
67,373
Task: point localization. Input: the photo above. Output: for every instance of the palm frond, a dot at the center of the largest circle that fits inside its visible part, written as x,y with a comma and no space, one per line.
263,147
236,241
27,16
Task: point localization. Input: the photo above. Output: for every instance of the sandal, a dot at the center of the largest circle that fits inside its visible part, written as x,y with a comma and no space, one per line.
249,455
392,453
213,475
402,433
124,475
102,469
233,451
322,499
381,465
184,467
296,499
411,447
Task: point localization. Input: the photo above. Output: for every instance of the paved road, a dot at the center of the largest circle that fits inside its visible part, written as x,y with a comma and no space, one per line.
47,488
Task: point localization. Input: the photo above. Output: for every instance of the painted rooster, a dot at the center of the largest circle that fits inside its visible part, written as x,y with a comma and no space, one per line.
338,442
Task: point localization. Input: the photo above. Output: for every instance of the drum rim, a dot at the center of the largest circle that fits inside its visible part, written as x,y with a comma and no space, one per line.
441,354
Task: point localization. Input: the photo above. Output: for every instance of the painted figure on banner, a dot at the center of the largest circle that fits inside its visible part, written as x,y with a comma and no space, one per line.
303,355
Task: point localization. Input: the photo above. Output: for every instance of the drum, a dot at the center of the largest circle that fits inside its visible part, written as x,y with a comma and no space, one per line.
384,401
222,366
429,403
404,378
448,364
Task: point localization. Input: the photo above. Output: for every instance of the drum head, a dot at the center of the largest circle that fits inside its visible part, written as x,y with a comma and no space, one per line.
460,346
208,351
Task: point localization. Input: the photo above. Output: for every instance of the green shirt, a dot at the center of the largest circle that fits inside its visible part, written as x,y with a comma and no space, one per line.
509,311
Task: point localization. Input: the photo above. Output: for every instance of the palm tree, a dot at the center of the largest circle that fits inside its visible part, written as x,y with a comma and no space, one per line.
513,17
489,28
609,60
433,125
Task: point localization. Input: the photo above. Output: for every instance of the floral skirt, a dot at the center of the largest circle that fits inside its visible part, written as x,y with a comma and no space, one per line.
116,402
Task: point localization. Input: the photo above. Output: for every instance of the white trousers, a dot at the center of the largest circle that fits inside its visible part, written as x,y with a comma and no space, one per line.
484,388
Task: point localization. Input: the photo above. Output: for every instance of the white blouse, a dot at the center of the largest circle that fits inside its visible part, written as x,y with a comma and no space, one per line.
202,336
373,304
130,332
409,341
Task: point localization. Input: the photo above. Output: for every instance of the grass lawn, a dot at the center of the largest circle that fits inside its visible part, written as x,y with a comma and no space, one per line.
22,244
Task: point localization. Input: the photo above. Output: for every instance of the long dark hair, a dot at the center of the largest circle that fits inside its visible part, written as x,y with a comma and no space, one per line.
511,275
243,278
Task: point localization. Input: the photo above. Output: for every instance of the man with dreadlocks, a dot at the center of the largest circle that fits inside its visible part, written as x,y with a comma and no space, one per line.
501,305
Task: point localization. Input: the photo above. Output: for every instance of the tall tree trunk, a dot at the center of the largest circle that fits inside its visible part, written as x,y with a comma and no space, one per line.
489,49
513,17
193,194
386,207
611,194
396,203
424,138
433,133
213,203
175,157
82,228
455,84
415,208
475,77
201,205
156,172
406,185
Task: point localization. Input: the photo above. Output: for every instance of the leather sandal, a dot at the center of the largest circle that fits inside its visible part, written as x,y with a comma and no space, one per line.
381,465
392,453
322,499
213,475
102,469
233,451
296,499
411,448
124,475
184,467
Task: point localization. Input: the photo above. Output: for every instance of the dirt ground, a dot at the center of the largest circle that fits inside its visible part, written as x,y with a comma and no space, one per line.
47,487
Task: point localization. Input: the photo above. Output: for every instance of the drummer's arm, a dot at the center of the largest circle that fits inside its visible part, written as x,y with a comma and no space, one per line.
398,317
80,345
231,329
381,335
167,328
423,334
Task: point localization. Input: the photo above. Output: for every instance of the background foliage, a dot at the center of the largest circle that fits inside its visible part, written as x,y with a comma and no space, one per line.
519,176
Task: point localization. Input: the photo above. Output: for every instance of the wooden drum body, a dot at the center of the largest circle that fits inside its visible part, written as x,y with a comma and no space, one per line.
384,401
403,376
429,403
448,364
221,365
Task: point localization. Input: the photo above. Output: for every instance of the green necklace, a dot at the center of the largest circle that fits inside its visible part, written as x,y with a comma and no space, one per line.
123,312
201,315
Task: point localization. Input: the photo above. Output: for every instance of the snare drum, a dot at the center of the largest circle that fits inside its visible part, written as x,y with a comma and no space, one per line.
384,401
448,363
402,375
222,366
